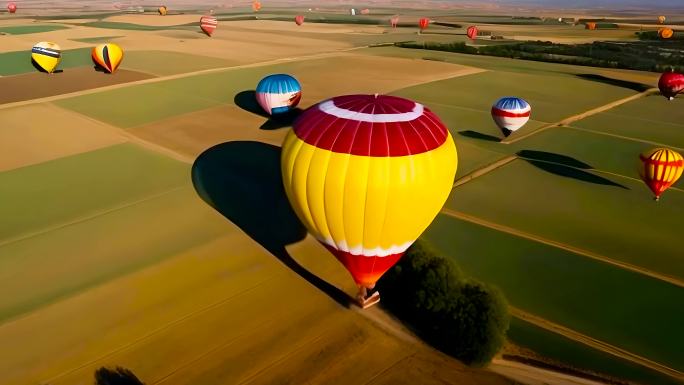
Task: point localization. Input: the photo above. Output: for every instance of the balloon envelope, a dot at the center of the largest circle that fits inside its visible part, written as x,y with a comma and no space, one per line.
472,32
278,93
108,56
46,55
660,169
256,6
423,22
665,33
299,19
510,114
163,10
661,19
394,21
366,174
208,24
11,7
671,84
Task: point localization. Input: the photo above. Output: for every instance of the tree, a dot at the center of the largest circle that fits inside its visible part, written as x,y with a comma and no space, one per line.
116,376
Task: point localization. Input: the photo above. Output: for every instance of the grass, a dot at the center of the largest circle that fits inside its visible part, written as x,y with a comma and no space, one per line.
19,62
166,63
591,297
27,29
73,258
576,355
582,209
36,197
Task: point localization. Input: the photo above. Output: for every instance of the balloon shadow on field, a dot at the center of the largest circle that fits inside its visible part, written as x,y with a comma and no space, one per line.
478,135
41,69
635,86
565,166
248,102
242,181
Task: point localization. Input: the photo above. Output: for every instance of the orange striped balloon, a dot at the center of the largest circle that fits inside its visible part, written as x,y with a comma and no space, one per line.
107,56
661,168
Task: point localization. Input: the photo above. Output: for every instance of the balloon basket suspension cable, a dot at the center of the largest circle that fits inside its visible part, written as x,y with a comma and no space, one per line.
363,300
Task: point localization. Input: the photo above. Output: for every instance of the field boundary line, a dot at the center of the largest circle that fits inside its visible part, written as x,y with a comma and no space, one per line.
88,217
623,137
583,115
320,55
575,250
484,170
594,343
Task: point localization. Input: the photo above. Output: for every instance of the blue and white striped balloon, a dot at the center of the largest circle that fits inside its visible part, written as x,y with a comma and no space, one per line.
511,113
278,93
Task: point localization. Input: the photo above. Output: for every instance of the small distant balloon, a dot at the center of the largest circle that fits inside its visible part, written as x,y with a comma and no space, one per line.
671,84
510,114
365,11
590,26
472,32
46,55
660,169
278,93
208,24
11,7
661,19
423,23
352,12
394,21
665,33
256,6
299,19
107,56
163,10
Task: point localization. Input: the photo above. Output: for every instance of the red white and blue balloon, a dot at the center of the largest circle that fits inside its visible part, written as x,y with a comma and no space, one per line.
278,93
510,114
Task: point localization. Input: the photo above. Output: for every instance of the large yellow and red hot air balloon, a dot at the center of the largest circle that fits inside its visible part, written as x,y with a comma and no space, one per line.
660,169
366,174
107,56
256,6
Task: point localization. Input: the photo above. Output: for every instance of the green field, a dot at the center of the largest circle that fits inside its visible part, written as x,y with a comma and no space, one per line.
576,355
19,62
165,63
69,188
27,29
588,296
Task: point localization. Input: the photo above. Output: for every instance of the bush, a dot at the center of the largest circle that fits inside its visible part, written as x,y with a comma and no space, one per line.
464,318
117,376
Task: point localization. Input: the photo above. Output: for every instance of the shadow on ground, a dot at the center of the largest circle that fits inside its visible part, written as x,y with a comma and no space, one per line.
565,166
242,181
478,135
639,87
247,101
117,376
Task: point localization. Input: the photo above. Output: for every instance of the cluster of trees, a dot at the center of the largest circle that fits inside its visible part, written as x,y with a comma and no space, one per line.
462,317
645,56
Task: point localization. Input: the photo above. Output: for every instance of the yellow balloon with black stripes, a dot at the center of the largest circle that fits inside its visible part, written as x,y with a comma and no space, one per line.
108,56
46,56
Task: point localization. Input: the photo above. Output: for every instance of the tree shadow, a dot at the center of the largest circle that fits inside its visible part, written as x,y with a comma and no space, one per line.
248,102
639,87
565,166
41,69
242,181
116,376
479,135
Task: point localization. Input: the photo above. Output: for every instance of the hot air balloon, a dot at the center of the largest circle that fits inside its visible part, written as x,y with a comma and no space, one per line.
366,174
671,83
107,56
661,167
163,10
590,25
423,23
365,11
510,114
208,24
46,56
472,32
256,6
299,19
661,19
394,21
665,33
352,12
11,7
278,93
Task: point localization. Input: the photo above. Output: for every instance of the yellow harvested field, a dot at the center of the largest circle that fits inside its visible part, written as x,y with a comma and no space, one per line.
155,20
41,132
286,26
